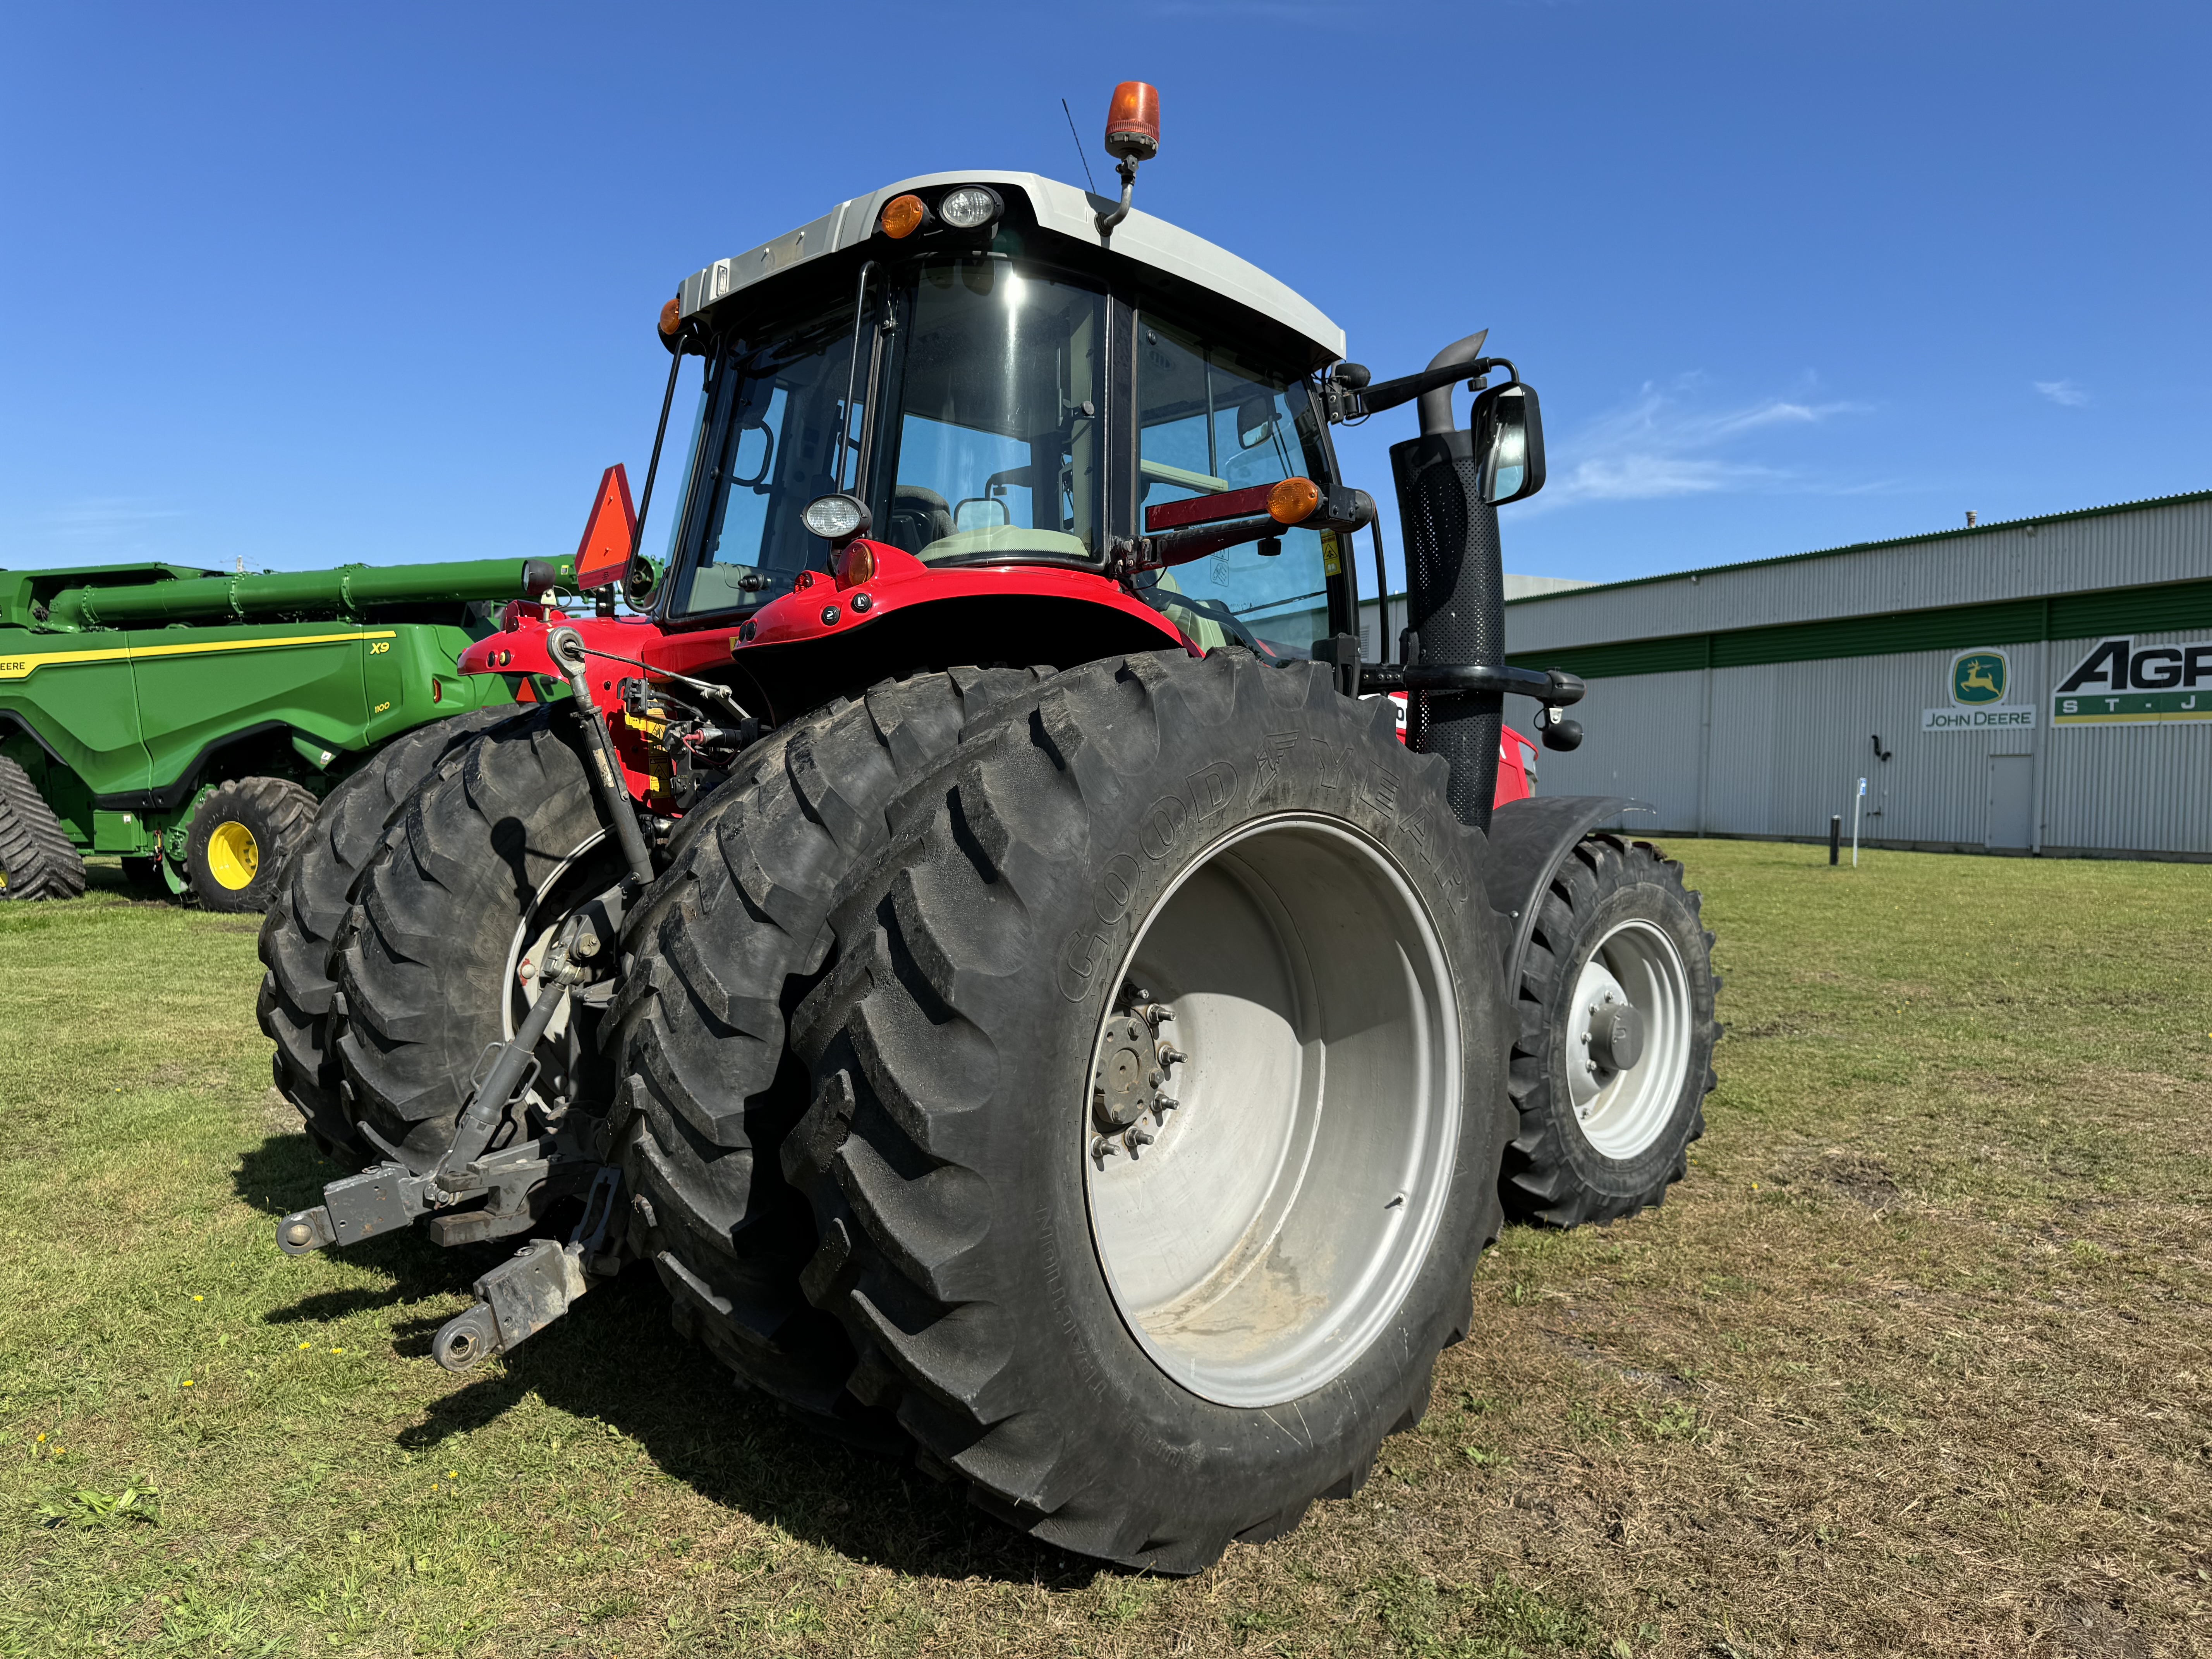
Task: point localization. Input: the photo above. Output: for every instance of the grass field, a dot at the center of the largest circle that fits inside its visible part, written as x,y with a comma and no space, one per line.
1918,1360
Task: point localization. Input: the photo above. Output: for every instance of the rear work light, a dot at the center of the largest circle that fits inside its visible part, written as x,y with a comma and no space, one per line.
903,216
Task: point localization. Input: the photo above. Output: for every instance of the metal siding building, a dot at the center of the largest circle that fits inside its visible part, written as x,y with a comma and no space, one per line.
1748,699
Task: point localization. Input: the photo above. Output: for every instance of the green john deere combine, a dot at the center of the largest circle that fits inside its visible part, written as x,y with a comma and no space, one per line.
191,720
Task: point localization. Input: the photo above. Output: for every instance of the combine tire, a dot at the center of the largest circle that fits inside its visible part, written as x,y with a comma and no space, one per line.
728,941
483,863
1159,1101
1613,1058
242,833
37,860
294,1007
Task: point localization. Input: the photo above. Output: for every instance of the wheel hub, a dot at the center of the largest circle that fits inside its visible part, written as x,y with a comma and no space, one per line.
1629,1033
1131,1076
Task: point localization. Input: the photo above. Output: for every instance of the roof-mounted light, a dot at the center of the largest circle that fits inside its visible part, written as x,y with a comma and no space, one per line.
971,207
903,216
672,317
1133,122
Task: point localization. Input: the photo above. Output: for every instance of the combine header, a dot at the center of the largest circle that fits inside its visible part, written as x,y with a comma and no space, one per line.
191,720
981,940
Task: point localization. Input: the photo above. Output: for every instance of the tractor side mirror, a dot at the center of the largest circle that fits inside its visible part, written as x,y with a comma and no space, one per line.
1256,421
1509,443
643,578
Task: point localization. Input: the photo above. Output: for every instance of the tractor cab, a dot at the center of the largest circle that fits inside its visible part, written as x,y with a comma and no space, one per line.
966,386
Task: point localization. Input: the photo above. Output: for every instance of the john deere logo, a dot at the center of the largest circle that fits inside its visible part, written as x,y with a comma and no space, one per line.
1978,682
1978,677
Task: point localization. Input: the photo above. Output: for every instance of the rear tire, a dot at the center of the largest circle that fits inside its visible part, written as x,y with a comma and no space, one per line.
481,861
311,906
998,1288
721,951
36,859
243,834
1596,1143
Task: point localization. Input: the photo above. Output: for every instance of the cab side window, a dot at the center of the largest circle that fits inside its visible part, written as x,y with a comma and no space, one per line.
1212,420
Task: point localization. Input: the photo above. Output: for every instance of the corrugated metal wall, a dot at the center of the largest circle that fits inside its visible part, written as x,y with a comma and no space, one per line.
2131,547
1772,750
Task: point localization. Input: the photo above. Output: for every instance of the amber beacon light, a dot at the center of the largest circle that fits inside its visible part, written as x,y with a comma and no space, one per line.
1133,135
1133,122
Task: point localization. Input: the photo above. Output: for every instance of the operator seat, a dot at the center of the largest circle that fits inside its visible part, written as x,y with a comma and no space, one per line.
919,516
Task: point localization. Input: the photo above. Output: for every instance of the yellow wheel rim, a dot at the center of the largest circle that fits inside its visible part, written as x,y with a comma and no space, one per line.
234,856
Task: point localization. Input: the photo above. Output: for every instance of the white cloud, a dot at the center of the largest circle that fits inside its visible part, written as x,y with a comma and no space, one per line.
2062,392
1663,443
102,518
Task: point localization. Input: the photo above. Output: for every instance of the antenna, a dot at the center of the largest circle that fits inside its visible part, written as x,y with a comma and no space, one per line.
1079,155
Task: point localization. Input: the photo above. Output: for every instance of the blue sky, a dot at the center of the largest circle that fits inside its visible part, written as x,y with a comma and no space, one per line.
303,285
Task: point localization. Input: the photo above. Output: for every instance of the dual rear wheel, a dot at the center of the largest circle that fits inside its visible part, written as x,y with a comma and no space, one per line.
1144,1099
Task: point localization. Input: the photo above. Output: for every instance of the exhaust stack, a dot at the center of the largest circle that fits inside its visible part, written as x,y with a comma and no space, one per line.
1455,590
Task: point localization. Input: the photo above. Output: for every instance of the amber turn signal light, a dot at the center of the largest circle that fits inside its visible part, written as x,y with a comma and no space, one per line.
857,566
1293,500
903,216
672,316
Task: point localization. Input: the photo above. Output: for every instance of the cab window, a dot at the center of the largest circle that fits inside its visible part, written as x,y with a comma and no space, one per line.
995,433
1210,420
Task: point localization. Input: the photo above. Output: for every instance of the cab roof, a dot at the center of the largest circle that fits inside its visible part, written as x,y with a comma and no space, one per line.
1059,208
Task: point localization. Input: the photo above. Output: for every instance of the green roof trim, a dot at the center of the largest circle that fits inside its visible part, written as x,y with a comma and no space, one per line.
2164,607
1868,547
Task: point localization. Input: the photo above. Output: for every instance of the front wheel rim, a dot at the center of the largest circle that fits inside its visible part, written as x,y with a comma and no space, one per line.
234,856
1260,1230
1623,1113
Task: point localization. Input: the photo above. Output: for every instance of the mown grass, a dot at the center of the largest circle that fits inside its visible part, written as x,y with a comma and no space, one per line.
1916,1361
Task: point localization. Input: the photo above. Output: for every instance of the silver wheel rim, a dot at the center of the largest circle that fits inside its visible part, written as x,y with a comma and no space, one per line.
533,934
1260,1231
1622,1113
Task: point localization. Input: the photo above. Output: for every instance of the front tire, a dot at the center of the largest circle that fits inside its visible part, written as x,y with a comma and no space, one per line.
1619,953
1145,1362
242,835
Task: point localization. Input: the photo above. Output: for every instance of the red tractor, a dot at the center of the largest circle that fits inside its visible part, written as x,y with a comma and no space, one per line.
981,938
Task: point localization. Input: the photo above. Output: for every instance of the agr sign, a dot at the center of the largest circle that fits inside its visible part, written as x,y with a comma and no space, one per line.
2116,684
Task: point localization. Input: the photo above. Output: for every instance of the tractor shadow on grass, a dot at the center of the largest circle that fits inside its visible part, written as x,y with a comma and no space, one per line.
616,1360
